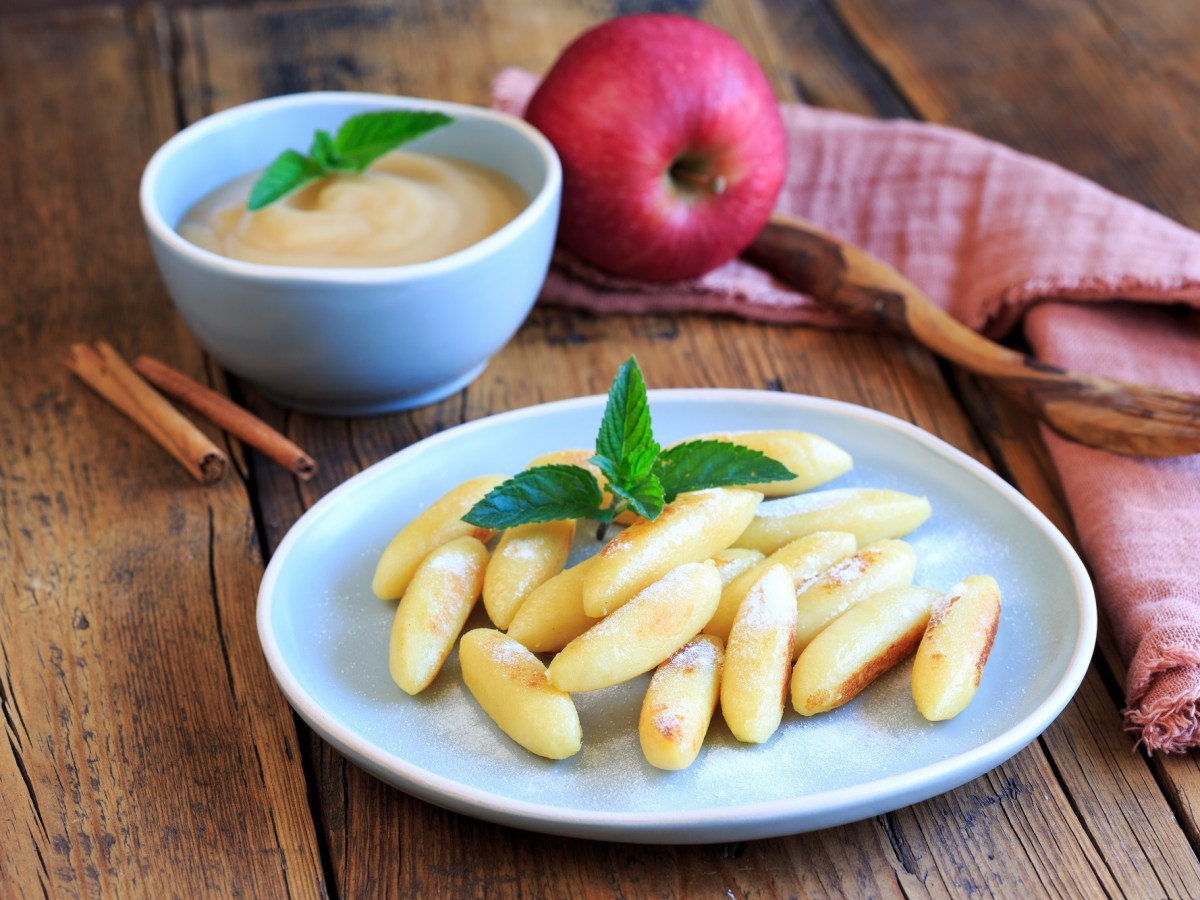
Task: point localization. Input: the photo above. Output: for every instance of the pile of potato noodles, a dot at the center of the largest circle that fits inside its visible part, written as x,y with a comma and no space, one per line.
742,597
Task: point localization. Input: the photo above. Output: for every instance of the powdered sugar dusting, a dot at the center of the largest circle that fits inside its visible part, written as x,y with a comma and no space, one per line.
767,609
455,561
697,654
526,549
806,503
842,572
510,656
668,723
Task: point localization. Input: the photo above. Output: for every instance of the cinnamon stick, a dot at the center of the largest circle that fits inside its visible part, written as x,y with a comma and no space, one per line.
103,370
231,417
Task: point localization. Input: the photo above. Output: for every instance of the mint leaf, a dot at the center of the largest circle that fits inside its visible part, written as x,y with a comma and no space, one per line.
625,445
322,151
367,136
291,170
618,471
361,140
696,465
540,494
644,497
625,427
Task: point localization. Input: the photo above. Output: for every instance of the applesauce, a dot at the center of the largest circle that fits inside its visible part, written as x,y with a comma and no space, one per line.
405,208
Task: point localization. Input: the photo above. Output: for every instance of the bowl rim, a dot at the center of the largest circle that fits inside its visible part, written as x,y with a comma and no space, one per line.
158,227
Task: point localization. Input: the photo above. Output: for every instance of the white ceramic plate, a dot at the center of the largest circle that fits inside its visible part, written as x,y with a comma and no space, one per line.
325,637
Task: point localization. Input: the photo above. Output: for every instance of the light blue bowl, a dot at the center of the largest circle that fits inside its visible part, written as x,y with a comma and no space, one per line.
352,341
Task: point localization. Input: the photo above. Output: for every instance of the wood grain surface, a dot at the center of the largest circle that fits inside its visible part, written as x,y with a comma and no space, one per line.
147,750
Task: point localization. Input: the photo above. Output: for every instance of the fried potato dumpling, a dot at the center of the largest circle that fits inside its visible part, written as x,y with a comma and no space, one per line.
574,456
655,623
804,558
733,561
859,646
552,615
433,610
680,702
438,523
525,557
691,529
758,658
870,514
955,648
813,459
873,568
510,684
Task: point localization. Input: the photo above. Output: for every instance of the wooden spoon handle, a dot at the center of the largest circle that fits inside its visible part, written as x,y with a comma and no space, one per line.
852,281
1097,411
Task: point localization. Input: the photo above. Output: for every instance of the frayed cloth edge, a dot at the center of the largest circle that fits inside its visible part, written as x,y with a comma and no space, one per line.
1169,723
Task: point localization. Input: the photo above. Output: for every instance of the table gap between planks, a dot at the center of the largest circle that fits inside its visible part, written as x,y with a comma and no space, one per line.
148,751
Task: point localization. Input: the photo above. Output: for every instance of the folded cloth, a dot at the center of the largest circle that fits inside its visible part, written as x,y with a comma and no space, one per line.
987,233
1137,517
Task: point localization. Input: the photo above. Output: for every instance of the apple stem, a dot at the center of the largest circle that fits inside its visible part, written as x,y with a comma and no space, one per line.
714,183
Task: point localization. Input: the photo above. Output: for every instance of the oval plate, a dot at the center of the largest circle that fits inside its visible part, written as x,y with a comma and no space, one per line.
325,636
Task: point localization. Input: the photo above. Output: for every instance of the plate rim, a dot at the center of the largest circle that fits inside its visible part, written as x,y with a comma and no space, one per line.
719,823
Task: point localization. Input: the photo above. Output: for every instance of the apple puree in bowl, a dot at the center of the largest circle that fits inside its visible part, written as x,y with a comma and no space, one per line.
406,208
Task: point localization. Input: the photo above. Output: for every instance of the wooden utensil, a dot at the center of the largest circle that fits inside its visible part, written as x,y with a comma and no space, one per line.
1100,412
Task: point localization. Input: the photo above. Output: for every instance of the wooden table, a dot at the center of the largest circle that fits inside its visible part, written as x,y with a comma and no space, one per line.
147,750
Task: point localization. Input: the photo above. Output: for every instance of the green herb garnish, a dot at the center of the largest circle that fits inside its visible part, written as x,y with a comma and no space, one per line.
641,476
360,141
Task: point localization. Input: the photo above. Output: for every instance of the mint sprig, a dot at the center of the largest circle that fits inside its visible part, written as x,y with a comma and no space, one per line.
641,476
360,141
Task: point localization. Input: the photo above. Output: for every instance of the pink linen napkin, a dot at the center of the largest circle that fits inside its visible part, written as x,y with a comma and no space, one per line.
1137,517
988,232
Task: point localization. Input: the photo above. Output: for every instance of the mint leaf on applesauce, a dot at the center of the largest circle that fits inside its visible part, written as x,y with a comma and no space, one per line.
639,474
361,140
289,171
364,138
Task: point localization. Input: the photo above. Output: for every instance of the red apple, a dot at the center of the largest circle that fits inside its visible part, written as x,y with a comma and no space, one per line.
672,146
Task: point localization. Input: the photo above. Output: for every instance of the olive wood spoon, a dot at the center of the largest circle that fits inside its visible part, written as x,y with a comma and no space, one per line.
1099,412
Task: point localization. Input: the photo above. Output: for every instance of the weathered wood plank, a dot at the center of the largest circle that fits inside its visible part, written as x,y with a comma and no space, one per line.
824,64
1008,72
147,748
